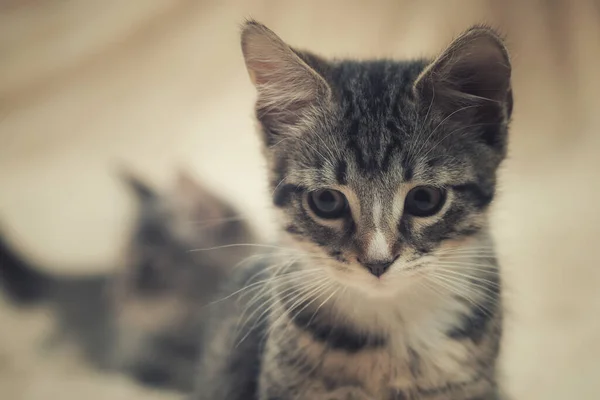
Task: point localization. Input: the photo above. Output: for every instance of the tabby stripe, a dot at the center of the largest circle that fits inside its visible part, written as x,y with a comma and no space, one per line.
474,325
475,192
392,148
341,172
336,337
360,160
283,194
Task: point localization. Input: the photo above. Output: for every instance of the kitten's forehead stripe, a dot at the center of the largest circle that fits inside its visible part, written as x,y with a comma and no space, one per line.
408,172
394,147
358,153
341,172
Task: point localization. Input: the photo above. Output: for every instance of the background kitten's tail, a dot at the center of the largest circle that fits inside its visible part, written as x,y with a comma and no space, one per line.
20,281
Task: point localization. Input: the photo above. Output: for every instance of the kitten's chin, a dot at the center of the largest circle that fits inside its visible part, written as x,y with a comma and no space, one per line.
386,286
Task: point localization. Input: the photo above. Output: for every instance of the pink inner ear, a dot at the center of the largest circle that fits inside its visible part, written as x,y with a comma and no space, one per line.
272,63
266,55
261,71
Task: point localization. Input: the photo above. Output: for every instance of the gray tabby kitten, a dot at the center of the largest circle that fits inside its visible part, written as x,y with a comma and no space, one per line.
383,173
145,318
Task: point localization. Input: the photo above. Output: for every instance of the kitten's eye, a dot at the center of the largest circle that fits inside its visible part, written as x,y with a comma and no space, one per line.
327,203
424,201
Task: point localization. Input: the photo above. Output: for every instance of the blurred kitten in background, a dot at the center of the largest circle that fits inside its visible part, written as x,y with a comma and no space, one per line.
143,319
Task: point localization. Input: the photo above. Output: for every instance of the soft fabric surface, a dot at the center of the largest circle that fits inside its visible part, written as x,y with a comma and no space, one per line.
84,85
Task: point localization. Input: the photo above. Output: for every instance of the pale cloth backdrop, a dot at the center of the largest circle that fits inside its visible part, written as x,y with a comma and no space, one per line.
159,84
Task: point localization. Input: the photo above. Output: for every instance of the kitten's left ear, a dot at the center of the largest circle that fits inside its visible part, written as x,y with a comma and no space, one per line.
474,70
288,87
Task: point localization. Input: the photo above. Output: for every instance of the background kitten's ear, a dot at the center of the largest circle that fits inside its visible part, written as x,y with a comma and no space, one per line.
475,69
197,201
188,187
140,189
287,86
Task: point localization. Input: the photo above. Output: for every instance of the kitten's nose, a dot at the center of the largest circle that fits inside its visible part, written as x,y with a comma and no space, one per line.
378,268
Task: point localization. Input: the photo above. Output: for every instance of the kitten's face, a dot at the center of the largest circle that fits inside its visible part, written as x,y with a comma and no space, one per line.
380,167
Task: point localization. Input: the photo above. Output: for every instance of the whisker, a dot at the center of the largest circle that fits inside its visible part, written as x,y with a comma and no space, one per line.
451,133
285,278
322,304
251,258
248,286
431,287
216,221
474,257
458,291
281,279
298,300
413,147
290,294
276,282
243,320
275,279
466,250
468,276
259,245
469,266
465,290
428,138
279,184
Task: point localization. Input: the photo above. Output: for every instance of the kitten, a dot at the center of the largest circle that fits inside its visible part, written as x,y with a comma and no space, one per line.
145,318
383,173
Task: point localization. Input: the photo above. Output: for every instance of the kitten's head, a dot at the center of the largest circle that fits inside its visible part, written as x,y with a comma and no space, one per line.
380,166
160,296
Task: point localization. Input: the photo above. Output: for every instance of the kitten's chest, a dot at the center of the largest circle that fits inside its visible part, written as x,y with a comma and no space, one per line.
405,365
422,356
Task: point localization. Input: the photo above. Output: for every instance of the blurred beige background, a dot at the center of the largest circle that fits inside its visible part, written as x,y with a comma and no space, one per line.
158,84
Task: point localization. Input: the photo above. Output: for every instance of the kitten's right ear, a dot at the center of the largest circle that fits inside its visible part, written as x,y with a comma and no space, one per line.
288,88
474,70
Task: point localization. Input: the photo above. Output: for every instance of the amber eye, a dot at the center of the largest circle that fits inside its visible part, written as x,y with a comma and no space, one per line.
424,201
327,203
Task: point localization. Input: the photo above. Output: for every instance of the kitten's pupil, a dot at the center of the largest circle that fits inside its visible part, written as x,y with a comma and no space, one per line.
424,201
327,203
422,198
